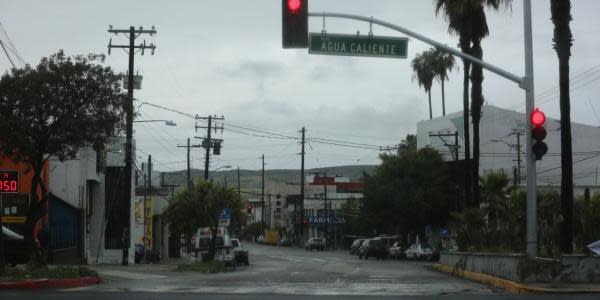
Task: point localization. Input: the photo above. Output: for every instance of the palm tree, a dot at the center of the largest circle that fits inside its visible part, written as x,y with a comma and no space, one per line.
422,66
443,64
563,40
459,23
473,16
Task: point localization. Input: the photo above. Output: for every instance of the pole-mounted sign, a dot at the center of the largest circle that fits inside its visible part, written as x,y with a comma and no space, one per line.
356,45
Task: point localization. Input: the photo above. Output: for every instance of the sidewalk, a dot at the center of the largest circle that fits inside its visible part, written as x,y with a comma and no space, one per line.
522,288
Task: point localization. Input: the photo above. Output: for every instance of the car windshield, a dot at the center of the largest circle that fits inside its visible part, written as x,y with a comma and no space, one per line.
235,243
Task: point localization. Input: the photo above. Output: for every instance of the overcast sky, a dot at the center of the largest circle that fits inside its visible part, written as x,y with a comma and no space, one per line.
225,58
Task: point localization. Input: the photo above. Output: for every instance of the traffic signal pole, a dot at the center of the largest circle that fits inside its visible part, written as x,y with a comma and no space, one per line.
526,83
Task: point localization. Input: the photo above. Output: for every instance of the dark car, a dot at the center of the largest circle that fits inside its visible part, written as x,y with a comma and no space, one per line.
315,243
355,245
240,253
373,248
15,249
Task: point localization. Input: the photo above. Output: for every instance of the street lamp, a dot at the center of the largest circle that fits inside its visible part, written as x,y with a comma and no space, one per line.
167,122
222,167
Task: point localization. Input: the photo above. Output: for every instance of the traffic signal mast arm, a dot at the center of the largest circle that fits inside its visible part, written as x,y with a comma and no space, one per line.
526,83
521,81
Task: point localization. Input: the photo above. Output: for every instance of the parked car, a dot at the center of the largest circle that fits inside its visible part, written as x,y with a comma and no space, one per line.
240,253
396,251
355,245
373,248
315,243
418,251
15,249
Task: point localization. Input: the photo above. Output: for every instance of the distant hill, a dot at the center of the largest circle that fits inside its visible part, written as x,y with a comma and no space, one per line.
250,180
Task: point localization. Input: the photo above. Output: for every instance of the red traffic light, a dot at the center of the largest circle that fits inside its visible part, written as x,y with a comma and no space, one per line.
537,118
294,23
294,5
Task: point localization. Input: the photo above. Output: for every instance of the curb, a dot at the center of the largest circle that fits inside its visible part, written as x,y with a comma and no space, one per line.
508,285
45,283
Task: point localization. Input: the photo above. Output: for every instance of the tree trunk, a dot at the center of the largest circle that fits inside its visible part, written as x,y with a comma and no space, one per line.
430,112
476,104
37,209
464,45
443,99
563,39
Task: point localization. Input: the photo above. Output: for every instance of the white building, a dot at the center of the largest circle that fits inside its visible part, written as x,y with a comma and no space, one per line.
499,143
82,228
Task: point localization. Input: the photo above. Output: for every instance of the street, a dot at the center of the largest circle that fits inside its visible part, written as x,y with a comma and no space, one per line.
292,271
282,273
284,270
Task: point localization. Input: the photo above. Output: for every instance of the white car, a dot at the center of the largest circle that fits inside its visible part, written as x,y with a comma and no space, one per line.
396,250
418,251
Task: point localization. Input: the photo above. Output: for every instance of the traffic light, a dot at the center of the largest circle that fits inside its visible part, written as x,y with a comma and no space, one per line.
538,133
294,30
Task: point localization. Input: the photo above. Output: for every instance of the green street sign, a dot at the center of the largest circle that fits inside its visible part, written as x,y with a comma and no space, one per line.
356,45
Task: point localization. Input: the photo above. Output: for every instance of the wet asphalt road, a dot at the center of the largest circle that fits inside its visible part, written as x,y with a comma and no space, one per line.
275,270
282,273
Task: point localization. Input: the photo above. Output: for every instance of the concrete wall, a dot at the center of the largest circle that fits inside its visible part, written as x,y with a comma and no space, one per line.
520,268
581,268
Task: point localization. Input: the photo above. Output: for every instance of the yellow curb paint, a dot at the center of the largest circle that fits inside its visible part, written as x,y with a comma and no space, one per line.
507,285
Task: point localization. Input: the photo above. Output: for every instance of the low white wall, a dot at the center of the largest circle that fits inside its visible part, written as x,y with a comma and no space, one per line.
519,267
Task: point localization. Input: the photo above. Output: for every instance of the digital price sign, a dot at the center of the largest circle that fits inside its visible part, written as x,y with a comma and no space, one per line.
9,181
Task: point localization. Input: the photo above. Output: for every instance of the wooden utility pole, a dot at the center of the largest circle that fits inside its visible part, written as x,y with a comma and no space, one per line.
132,34
301,230
238,183
209,142
190,181
262,198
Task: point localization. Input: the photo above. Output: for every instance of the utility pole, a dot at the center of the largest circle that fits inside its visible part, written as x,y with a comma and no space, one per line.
263,196
326,210
301,189
518,157
132,34
209,142
207,146
453,148
238,182
190,181
456,145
